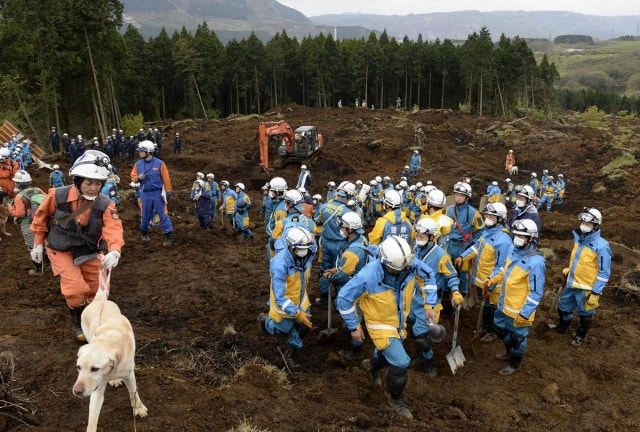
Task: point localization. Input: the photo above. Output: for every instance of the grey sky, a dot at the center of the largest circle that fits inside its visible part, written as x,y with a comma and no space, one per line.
405,7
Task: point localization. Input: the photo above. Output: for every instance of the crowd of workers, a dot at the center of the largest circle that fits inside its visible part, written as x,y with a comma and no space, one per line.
423,253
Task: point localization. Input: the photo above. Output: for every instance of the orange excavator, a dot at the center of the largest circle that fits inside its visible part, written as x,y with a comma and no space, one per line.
285,145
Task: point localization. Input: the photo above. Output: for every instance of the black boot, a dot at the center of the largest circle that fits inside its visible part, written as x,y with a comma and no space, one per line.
373,366
289,357
513,366
581,333
145,236
396,381
168,239
563,325
432,371
37,270
76,323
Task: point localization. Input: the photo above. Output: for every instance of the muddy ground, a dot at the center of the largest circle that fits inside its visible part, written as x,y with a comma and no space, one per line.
202,365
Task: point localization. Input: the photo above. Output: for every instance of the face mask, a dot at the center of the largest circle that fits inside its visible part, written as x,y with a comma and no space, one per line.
585,228
344,233
519,241
489,222
16,190
301,252
520,203
421,242
89,198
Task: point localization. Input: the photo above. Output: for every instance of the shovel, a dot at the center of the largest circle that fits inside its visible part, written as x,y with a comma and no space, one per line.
325,335
479,323
455,357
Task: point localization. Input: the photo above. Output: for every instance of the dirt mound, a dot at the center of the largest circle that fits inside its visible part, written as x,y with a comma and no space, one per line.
202,364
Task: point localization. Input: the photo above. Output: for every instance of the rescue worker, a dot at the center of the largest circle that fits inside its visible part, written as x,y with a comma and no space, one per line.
416,163
549,192
587,275
56,178
155,190
489,255
214,193
493,192
23,210
466,230
561,185
510,160
177,144
76,225
331,190
384,290
8,168
510,200
331,239
54,140
375,201
534,183
242,206
352,258
446,279
544,180
293,200
521,283
202,204
228,205
524,207
435,203
267,204
393,222
289,303
304,179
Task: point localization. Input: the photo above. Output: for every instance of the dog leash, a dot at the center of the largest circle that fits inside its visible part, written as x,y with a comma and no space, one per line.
104,278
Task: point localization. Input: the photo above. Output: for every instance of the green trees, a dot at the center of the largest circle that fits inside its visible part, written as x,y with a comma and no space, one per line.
73,69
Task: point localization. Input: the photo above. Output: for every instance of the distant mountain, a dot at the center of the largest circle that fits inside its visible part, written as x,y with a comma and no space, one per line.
238,18
458,25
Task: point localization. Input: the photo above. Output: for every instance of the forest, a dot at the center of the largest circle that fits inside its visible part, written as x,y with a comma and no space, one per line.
77,68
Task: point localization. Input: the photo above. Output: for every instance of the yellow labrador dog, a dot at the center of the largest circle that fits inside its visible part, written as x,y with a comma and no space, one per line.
108,357
513,170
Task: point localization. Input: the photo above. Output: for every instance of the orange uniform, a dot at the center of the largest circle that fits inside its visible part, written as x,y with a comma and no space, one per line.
78,283
509,161
7,170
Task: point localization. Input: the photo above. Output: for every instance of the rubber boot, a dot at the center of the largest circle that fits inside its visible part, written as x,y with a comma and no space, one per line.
396,381
168,239
289,357
487,327
145,236
76,323
581,333
37,271
373,366
432,371
514,365
262,317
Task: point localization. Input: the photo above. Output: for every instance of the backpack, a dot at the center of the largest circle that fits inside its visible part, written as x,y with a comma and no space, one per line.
35,198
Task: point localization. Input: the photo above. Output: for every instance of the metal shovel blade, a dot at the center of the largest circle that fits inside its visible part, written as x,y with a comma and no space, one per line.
325,335
455,357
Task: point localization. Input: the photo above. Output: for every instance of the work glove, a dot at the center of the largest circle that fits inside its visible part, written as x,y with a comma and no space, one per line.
593,301
303,318
520,321
111,259
487,285
456,299
329,273
37,253
458,262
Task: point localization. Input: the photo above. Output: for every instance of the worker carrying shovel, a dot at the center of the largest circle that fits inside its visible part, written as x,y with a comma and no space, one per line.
522,288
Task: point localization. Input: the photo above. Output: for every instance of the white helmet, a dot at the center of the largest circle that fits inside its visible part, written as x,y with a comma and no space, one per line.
92,164
392,198
299,238
278,184
134,185
56,167
358,182
293,197
426,226
590,215
406,167
304,167
534,174
373,183
544,171
21,176
378,179
525,227
145,146
199,175
4,153
428,188
496,209
210,176
510,151
240,186
403,184
494,183
525,191
436,198
386,178
317,197
351,220
346,189
463,188
415,152
560,176
395,253
302,190
331,185
507,180
418,185
199,183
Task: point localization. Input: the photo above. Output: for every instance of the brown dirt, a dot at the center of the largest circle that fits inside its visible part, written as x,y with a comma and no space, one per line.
183,301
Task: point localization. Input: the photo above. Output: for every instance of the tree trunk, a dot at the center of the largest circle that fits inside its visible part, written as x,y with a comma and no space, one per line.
100,114
500,95
195,83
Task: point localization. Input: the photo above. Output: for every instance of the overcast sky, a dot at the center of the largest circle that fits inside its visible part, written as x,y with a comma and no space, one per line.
405,7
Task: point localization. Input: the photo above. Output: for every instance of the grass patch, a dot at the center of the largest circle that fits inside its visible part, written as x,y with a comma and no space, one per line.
615,168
